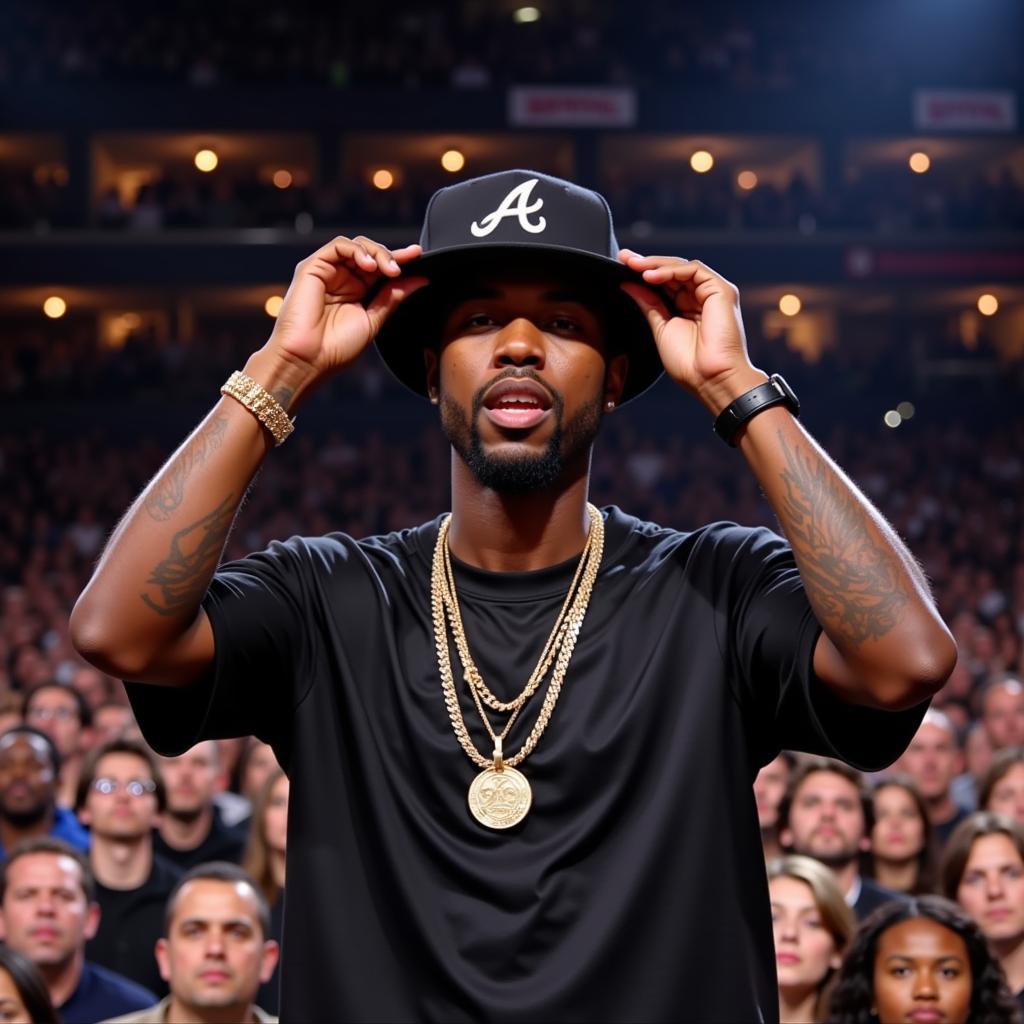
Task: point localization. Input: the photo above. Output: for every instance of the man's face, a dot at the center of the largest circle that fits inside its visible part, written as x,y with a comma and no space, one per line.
27,780
191,779
522,382
991,888
1007,796
826,820
45,914
55,711
769,787
214,954
932,760
1003,715
120,814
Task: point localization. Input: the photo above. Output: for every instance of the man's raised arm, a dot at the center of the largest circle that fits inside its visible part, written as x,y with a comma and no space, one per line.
140,616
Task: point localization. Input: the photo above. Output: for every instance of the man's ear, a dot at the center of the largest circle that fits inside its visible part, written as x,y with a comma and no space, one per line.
92,920
271,954
615,379
786,838
432,365
163,961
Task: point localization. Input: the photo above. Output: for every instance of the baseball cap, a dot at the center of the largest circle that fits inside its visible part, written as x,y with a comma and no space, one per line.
517,220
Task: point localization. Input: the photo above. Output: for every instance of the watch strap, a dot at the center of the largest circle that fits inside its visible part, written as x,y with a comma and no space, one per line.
774,391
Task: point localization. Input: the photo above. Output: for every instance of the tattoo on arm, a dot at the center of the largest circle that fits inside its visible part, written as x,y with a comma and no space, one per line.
284,396
852,582
167,495
182,577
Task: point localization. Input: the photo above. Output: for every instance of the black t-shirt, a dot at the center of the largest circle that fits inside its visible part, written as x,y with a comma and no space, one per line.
222,842
635,888
131,921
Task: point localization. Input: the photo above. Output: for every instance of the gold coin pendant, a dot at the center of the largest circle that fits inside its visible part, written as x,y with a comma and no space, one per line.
500,799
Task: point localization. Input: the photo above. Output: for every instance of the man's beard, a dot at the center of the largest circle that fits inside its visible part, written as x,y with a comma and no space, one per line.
835,858
28,817
524,472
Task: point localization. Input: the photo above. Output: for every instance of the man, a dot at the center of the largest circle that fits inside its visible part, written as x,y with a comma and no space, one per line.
1002,712
29,769
121,797
827,813
47,912
64,716
216,952
933,760
191,830
569,886
769,788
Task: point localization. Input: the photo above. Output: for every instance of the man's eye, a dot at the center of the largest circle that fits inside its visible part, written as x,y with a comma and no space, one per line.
900,972
479,320
950,972
565,324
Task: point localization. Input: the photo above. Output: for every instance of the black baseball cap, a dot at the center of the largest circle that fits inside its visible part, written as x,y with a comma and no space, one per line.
517,220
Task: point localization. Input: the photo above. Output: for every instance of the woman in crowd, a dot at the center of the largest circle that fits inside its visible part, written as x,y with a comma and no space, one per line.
921,959
983,870
24,997
902,842
813,926
265,862
1002,788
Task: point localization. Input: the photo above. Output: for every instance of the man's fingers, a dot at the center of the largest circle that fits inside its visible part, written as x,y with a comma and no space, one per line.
389,298
650,305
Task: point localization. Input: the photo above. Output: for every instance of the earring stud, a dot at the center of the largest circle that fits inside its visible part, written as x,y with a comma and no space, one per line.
609,405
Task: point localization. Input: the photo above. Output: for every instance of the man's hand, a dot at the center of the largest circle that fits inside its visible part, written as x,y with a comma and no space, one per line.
700,340
323,325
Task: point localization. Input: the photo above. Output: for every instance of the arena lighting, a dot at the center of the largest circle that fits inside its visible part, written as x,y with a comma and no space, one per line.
919,162
988,304
282,179
702,161
746,180
383,179
789,304
906,410
453,160
273,305
524,15
206,160
892,419
55,307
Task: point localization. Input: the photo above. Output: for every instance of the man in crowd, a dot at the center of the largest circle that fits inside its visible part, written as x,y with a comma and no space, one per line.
62,713
191,828
215,954
534,874
769,788
1002,712
827,813
121,797
29,769
933,760
48,912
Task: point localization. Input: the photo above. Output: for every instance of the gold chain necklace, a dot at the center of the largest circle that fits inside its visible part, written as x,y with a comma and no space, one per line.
500,796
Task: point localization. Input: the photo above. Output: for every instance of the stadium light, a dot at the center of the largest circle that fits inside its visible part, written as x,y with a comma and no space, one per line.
55,307
206,160
453,160
702,161
906,410
525,15
273,305
892,419
789,304
919,162
746,180
282,178
988,304
383,179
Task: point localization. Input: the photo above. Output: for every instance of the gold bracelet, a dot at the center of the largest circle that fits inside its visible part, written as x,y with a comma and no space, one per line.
261,403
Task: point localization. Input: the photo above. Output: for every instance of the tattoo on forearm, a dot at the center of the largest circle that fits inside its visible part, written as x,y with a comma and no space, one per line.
182,577
284,396
167,495
854,586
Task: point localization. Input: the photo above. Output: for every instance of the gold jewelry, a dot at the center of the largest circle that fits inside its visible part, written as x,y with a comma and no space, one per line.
500,796
261,403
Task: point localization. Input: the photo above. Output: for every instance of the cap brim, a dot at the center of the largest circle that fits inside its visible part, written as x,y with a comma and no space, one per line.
414,326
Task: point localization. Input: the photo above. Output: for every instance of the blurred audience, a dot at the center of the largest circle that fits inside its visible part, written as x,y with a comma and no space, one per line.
63,714
903,850
769,788
24,996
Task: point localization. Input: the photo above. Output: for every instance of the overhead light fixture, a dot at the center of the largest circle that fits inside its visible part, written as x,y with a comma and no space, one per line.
702,161
789,304
526,15
919,162
383,179
453,160
746,180
55,307
206,160
282,179
988,304
273,305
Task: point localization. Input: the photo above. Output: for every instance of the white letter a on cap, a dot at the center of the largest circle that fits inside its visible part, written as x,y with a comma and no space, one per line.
515,204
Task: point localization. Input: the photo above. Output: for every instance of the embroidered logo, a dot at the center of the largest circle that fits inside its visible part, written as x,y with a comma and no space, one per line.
515,204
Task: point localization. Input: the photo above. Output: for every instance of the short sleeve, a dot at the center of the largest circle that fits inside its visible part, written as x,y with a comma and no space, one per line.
770,635
259,611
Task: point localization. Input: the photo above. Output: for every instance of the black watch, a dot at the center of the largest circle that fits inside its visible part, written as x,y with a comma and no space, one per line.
774,391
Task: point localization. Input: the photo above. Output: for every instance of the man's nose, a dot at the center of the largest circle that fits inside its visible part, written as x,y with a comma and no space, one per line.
519,343
924,986
995,886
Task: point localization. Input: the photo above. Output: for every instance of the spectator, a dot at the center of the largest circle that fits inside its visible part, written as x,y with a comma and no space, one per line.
265,862
257,764
29,768
827,813
933,760
215,953
62,713
11,704
120,797
1002,712
112,720
921,959
983,870
812,926
977,758
769,787
1002,789
191,829
23,992
48,912
902,841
